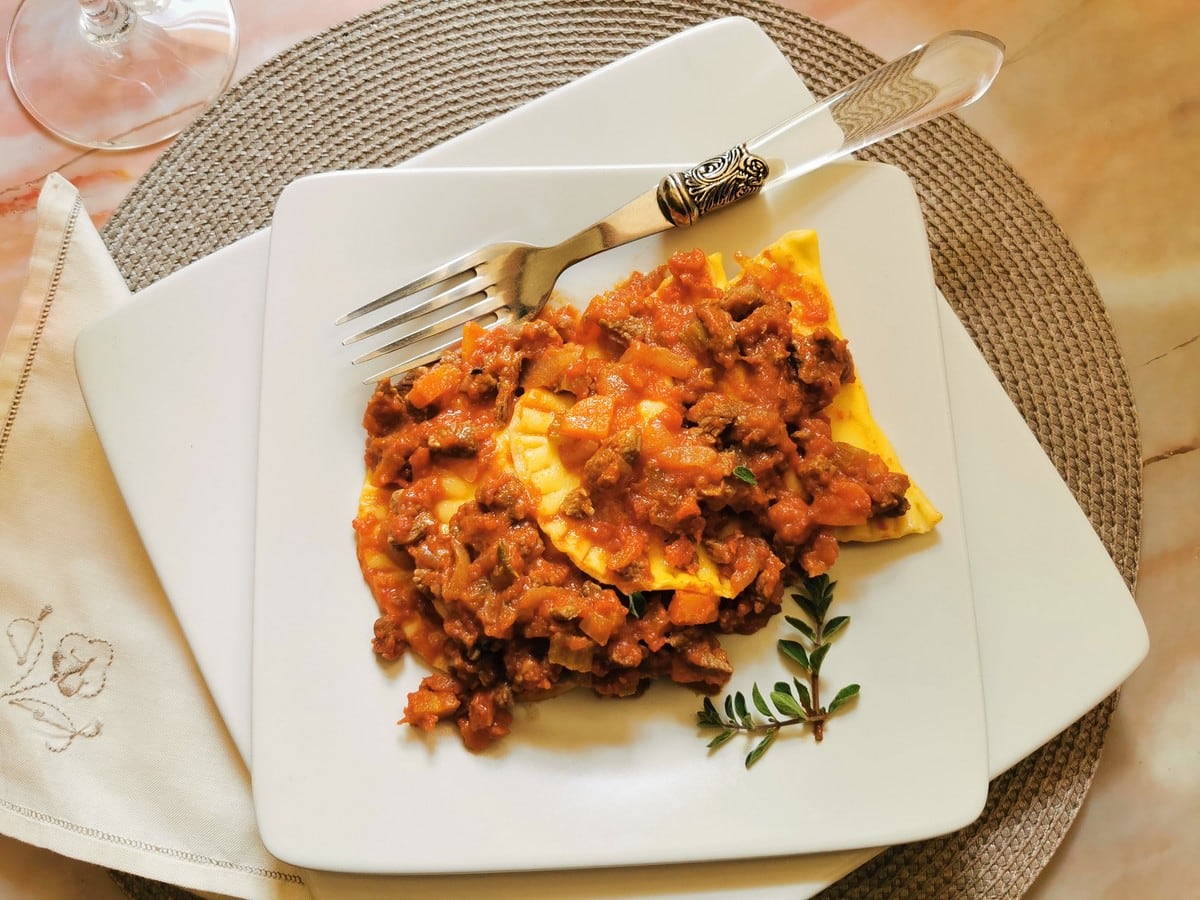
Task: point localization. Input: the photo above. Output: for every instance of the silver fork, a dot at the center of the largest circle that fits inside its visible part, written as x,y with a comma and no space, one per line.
507,282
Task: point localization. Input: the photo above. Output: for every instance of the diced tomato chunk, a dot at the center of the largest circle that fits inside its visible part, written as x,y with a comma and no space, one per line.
690,457
472,332
588,419
643,356
434,700
434,384
845,502
692,608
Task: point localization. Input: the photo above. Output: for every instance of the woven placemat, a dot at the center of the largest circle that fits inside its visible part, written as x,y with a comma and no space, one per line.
402,79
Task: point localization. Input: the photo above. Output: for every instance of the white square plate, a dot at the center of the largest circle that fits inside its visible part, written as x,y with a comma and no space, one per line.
330,766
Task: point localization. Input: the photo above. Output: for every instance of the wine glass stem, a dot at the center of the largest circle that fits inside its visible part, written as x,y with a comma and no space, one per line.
104,21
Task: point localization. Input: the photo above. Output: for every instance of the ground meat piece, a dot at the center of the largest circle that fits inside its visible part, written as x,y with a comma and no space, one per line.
388,409
620,683
625,330
488,718
699,382
790,519
636,570
389,455
630,560
752,556
577,505
816,472
627,442
606,469
714,413
529,672
747,613
699,660
480,385
742,299
405,529
389,643
764,335
505,494
453,442
758,427
507,371
463,629
624,652
821,555
537,336
823,364
722,550
665,501
887,496
722,335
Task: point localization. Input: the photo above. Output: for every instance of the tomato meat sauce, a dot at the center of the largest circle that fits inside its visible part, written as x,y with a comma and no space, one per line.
697,424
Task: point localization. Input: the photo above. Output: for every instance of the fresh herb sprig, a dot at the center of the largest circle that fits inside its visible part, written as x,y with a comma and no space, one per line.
787,704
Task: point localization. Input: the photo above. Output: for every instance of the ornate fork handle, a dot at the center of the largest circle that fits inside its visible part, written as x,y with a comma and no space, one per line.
683,197
949,72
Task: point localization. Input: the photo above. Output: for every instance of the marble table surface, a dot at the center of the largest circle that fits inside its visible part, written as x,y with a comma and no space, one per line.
1098,108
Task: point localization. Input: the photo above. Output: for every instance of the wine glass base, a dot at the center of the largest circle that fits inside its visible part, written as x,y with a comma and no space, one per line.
133,89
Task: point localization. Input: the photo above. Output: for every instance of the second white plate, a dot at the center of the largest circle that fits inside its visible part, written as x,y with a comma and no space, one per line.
585,782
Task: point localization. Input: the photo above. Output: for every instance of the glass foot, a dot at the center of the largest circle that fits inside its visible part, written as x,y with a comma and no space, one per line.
130,75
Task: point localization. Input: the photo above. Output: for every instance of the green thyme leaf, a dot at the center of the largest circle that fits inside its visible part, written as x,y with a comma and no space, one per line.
708,715
795,650
636,604
787,705
762,747
802,690
741,472
739,704
759,703
721,738
815,596
729,708
817,657
844,696
823,593
801,626
810,608
834,625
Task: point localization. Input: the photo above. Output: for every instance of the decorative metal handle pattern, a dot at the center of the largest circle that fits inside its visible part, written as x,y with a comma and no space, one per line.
683,197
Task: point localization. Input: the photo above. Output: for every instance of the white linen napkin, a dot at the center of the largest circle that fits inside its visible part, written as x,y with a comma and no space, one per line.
111,750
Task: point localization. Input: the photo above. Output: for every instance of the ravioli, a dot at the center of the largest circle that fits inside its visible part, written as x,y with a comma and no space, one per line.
537,462
849,412
409,622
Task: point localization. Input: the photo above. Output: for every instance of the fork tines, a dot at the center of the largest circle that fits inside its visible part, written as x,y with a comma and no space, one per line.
466,279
